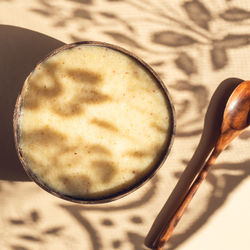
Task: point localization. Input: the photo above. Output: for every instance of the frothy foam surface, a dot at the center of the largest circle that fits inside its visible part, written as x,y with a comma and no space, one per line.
93,121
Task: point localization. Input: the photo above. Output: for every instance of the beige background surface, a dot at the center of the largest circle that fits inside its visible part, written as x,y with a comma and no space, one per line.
194,45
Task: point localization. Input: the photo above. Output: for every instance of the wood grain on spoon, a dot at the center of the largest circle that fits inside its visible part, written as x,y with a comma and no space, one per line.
236,118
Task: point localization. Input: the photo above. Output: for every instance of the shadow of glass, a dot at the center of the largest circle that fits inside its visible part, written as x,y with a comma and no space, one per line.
211,131
20,50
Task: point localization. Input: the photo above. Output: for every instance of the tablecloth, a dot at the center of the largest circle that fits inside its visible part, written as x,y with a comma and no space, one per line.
201,51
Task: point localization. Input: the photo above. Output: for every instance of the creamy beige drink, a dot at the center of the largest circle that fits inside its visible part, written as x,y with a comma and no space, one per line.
93,122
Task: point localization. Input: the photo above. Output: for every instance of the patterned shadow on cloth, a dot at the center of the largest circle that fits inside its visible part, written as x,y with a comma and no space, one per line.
135,239
37,234
223,180
180,42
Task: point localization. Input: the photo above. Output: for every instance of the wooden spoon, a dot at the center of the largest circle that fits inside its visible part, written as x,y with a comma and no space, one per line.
236,118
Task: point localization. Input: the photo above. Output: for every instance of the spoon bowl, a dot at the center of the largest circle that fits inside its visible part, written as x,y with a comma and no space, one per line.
236,115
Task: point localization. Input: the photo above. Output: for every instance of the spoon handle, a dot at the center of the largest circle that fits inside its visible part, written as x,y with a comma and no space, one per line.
167,231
